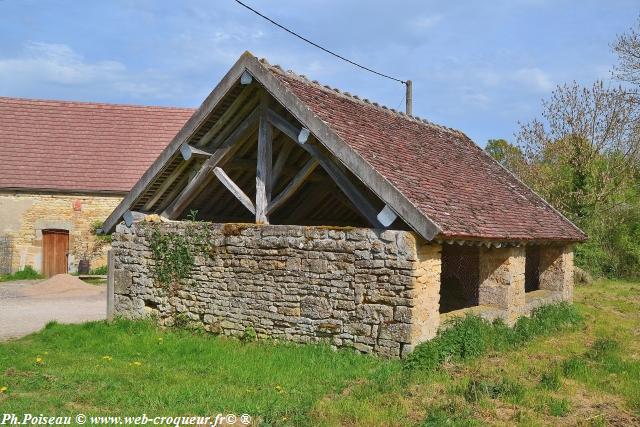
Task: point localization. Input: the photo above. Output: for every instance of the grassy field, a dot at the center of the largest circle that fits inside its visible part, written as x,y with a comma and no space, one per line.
587,374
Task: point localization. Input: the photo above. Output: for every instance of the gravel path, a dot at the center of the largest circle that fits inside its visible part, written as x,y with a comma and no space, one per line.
28,305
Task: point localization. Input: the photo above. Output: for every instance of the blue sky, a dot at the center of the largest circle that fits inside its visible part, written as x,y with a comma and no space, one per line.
478,66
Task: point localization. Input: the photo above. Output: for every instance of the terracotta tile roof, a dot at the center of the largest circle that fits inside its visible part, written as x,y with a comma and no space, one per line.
440,170
77,146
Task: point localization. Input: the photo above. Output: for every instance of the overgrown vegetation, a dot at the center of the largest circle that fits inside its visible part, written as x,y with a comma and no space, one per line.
174,252
583,156
173,256
582,373
27,273
470,337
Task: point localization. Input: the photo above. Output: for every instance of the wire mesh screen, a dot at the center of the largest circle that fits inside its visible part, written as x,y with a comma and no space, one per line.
460,279
6,253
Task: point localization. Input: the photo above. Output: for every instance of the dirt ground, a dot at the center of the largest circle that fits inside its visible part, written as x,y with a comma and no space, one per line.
27,305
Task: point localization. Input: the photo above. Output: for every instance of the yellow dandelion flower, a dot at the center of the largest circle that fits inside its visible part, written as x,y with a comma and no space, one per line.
3,390
136,363
39,360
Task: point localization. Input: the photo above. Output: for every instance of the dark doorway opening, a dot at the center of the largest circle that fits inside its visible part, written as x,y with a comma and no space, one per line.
532,269
460,278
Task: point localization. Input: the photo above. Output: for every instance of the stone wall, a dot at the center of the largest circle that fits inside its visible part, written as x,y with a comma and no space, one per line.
376,291
23,216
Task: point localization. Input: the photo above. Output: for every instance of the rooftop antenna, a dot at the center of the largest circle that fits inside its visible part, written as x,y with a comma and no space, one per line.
409,97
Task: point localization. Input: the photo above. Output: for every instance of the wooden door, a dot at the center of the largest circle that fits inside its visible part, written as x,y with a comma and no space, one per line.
55,247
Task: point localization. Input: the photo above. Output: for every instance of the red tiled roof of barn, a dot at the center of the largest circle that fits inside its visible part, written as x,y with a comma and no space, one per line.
79,146
440,170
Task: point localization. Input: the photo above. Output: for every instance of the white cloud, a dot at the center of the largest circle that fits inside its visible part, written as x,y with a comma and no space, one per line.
535,78
49,64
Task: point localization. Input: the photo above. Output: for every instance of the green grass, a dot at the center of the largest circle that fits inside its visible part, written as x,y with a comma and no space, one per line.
129,367
471,337
27,273
565,365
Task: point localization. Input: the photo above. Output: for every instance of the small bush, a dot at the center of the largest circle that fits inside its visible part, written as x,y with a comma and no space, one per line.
27,273
470,337
249,334
558,407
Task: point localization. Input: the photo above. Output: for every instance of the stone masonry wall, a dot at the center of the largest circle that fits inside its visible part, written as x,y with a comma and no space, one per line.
502,280
376,291
23,216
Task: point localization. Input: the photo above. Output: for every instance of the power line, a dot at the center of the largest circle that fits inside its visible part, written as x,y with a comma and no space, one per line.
317,45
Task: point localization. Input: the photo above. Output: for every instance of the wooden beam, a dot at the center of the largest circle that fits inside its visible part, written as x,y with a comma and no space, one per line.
283,125
226,150
236,109
338,148
189,151
263,171
281,160
187,132
341,179
293,185
165,186
234,189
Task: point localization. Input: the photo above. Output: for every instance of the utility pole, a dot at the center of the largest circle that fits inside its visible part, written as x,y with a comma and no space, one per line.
409,97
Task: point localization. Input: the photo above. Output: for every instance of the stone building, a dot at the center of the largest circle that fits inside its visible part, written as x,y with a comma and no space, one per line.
324,216
65,166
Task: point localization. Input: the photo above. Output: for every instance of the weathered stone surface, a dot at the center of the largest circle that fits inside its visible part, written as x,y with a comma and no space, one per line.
377,292
122,281
302,284
502,277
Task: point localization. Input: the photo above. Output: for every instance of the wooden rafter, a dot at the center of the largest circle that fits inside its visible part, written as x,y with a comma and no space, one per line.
165,186
293,186
232,111
226,150
336,173
234,189
323,135
281,160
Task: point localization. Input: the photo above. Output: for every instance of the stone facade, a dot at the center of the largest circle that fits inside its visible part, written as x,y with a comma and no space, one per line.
24,215
371,290
502,280
556,271
375,291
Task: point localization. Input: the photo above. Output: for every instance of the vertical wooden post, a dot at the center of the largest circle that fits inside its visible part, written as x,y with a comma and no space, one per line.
263,170
110,285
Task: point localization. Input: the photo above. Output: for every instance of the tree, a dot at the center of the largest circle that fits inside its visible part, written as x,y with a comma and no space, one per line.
627,47
585,148
583,156
506,154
